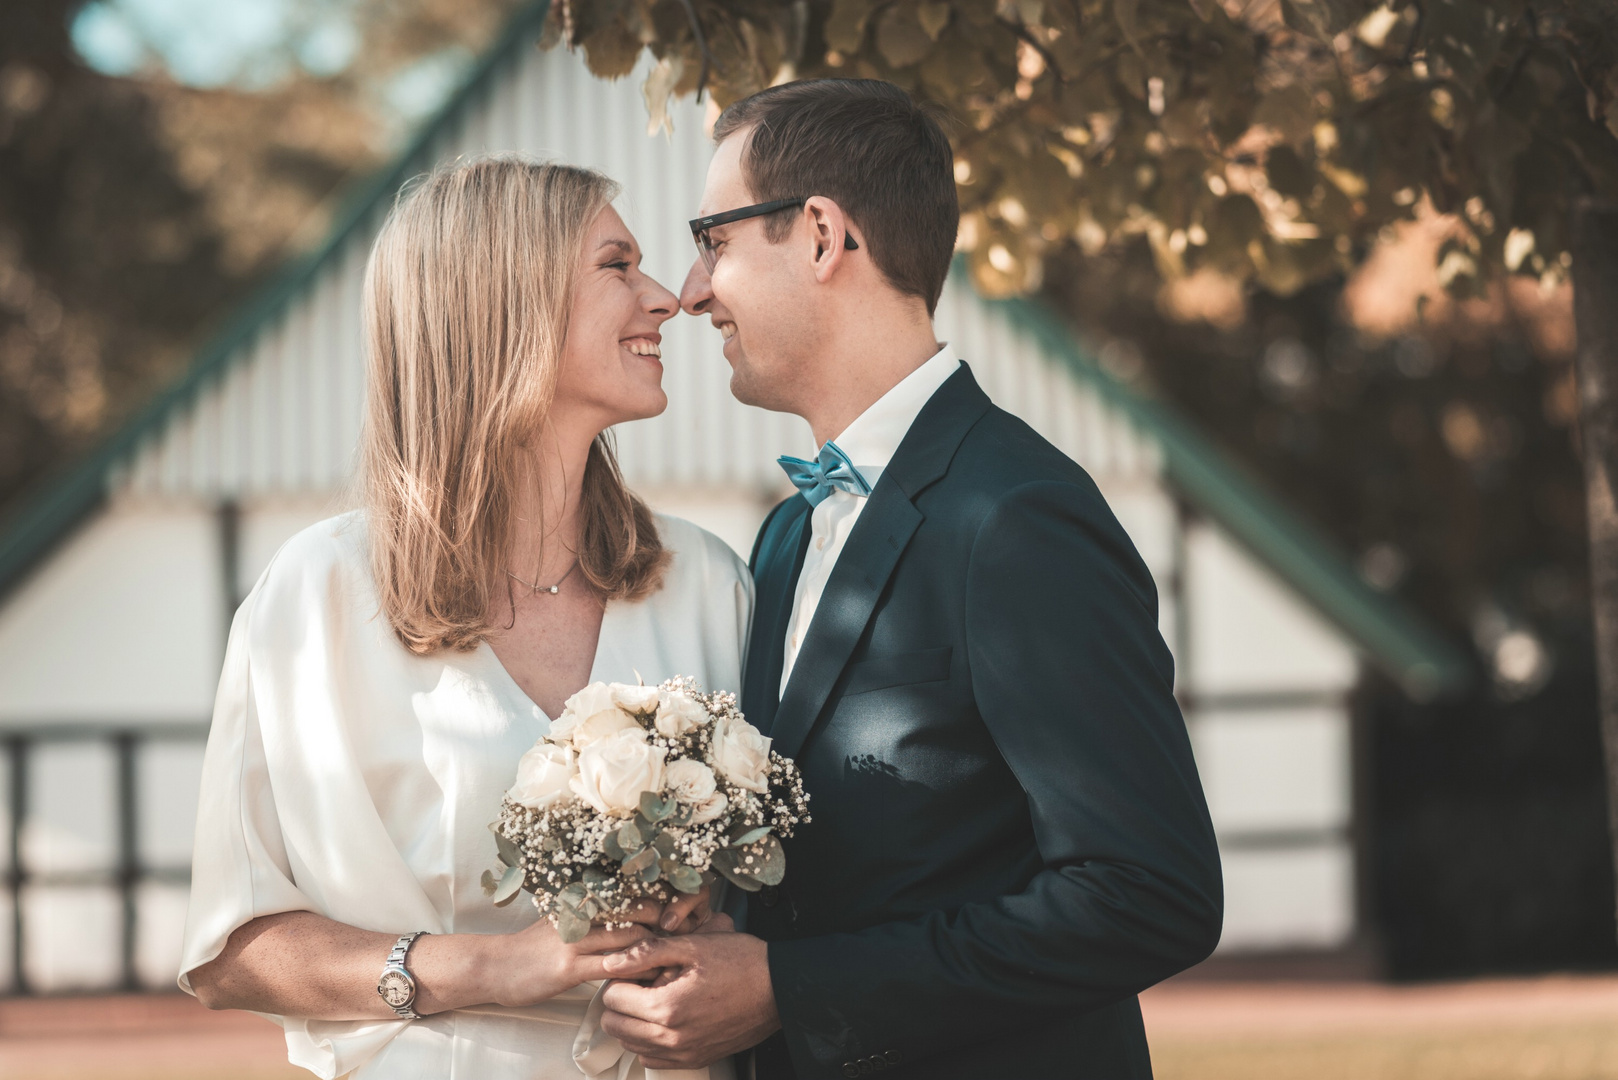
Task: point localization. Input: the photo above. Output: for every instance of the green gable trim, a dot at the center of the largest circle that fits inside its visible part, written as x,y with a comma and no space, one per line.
1424,662
65,501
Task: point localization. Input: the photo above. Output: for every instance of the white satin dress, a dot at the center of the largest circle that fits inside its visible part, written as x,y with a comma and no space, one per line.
346,776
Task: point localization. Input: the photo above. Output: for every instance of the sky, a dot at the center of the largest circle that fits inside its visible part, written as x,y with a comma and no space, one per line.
249,44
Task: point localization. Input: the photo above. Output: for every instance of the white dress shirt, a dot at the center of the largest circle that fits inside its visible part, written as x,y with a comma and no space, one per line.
347,776
870,443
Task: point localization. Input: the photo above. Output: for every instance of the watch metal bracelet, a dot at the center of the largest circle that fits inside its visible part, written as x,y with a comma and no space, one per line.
397,986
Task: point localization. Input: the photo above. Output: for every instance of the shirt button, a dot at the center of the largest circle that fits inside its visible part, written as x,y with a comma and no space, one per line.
850,1069
892,1057
820,542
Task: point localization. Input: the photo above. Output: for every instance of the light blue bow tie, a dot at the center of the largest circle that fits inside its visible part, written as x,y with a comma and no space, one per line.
832,471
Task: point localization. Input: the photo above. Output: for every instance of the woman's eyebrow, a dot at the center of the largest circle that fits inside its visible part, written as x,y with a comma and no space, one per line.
623,247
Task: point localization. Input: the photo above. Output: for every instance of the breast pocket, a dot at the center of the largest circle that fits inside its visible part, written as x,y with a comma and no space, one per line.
899,669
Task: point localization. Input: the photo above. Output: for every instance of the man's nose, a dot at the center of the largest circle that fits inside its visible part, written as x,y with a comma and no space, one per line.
697,292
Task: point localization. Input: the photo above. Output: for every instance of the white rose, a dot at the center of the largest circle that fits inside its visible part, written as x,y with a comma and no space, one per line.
679,714
544,776
741,754
689,780
589,715
710,808
614,770
635,699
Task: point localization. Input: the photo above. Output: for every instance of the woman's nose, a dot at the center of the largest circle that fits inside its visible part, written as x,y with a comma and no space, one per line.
697,292
659,301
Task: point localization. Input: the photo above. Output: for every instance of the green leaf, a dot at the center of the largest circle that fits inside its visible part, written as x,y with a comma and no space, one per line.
770,865
612,848
640,861
490,883
664,843
570,927
724,861
900,38
651,872
654,808
595,877
751,836
630,838
510,885
550,843
573,895
510,853
686,879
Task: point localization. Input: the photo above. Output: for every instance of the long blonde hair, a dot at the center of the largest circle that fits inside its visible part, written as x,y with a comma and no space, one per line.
467,295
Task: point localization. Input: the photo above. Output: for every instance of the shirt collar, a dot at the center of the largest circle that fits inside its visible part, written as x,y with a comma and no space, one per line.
874,437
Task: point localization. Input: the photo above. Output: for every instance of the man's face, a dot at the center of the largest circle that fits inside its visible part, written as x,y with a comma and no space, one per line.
759,294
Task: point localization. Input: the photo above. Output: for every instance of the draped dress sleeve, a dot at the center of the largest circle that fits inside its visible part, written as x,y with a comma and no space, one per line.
285,821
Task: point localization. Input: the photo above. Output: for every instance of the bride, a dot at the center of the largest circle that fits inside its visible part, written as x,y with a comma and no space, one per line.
392,664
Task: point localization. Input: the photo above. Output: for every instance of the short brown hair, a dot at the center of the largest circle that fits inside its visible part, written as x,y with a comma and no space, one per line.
871,149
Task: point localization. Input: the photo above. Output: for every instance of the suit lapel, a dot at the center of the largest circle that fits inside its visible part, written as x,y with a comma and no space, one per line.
880,536
776,564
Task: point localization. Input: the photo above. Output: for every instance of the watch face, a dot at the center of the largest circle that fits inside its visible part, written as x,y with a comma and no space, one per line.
395,989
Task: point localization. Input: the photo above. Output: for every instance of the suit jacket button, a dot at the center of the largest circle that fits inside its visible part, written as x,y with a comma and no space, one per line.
850,1069
769,895
892,1057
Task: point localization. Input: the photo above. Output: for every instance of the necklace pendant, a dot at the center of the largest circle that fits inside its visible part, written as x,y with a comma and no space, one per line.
552,590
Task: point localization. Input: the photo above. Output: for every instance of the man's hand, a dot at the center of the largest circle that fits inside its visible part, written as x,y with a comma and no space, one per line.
711,998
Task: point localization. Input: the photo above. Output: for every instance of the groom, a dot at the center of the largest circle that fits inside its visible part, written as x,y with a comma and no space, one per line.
956,641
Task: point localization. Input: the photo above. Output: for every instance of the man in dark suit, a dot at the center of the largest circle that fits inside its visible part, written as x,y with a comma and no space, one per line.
957,642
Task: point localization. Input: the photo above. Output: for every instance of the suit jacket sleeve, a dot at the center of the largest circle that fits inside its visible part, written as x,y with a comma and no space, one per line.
1075,685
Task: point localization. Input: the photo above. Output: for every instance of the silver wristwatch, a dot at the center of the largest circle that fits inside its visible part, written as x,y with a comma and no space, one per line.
397,986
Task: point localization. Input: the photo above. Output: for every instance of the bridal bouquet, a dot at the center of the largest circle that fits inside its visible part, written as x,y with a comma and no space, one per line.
639,790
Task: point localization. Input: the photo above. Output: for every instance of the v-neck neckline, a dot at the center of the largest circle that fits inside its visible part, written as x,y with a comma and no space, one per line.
595,664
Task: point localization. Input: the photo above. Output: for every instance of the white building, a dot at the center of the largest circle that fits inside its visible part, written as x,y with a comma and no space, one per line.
117,587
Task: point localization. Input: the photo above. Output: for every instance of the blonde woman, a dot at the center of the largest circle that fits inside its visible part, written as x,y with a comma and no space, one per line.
392,664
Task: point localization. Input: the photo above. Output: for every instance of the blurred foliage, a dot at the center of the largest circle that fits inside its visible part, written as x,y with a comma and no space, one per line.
1270,140
135,213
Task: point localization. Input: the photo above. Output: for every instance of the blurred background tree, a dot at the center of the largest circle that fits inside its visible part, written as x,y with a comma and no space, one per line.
1338,233
158,158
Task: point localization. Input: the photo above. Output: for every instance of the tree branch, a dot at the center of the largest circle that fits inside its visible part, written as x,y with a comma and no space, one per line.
1022,33
708,61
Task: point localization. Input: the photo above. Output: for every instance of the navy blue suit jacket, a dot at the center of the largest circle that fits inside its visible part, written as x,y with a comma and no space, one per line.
1009,839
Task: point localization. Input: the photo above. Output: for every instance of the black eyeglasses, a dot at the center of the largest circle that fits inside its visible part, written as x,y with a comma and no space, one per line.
701,225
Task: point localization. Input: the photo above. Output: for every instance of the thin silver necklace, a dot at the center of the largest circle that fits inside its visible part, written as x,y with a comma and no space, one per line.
535,587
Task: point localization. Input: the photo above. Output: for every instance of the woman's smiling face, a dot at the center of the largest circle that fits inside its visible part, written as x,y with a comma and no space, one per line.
612,370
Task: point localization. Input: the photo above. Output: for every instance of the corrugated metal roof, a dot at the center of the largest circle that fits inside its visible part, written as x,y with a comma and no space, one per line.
273,403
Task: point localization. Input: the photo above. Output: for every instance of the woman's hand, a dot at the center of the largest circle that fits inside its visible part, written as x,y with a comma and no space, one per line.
535,964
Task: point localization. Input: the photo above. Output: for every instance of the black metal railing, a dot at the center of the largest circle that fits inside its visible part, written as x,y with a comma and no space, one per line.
129,868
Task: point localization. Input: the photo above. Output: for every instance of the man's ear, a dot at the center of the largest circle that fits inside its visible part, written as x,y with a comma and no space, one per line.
828,229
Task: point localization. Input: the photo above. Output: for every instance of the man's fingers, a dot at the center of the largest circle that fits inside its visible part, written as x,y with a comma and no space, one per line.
638,1036
634,1000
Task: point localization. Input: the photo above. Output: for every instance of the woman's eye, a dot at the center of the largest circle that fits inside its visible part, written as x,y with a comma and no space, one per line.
620,265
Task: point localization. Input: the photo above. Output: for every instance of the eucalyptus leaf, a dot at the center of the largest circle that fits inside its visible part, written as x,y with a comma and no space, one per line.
570,927
595,877
510,885
613,849
751,836
490,883
510,853
651,872
640,861
685,879
572,895
664,843
771,866
630,838
550,843
732,874
655,808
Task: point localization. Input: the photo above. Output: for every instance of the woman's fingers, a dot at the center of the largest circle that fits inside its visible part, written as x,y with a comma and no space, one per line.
684,907
601,940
